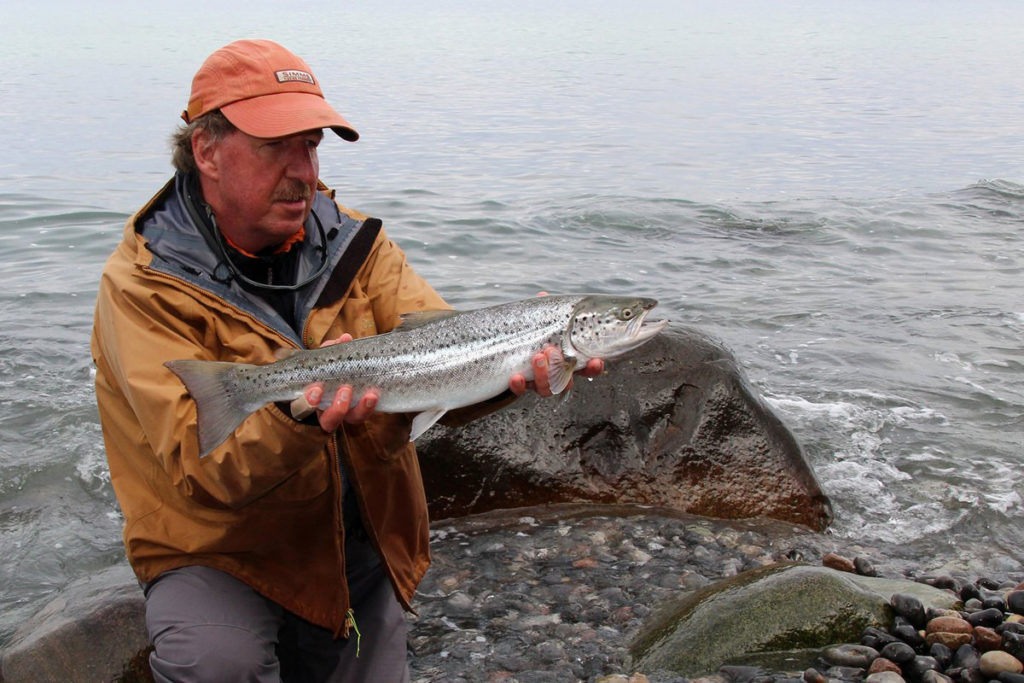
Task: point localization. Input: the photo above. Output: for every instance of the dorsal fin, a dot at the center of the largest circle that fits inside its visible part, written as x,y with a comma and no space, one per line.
410,321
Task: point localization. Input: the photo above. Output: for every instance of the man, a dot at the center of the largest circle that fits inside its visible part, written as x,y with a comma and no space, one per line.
288,552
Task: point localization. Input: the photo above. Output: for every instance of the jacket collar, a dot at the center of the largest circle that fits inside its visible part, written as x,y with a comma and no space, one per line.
179,248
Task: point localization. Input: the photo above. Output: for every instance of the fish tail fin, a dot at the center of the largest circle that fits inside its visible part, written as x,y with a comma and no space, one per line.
218,411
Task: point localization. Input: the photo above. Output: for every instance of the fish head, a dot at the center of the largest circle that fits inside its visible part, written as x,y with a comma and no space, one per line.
609,326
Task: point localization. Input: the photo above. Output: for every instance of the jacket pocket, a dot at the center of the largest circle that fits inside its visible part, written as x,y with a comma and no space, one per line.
385,436
310,481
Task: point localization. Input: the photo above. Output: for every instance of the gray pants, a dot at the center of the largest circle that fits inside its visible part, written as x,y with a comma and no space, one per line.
208,626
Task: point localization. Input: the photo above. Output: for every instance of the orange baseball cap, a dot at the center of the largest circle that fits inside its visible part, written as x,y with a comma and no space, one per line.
264,90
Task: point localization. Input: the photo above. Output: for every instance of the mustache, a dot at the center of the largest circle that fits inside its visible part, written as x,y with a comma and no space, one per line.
293,192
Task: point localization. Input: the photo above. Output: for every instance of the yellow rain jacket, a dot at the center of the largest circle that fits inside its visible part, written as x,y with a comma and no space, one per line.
265,506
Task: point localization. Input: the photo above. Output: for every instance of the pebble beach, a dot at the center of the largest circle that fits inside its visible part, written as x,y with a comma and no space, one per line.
559,593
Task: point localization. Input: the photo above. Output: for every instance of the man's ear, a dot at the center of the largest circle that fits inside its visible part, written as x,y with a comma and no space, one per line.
204,149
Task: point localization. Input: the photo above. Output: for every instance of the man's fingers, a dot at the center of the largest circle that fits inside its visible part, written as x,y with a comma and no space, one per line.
334,414
343,338
345,408
541,382
304,406
517,384
363,409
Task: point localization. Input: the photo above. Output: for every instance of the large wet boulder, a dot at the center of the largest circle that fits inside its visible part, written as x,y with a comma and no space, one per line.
93,630
772,616
675,424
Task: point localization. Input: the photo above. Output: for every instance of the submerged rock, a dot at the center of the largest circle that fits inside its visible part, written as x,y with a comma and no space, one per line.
674,425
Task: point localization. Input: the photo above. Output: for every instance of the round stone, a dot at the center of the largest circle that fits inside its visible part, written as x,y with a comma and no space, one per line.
990,617
876,638
1015,601
909,635
933,676
966,657
921,664
863,566
970,591
882,664
901,653
949,625
839,563
994,602
996,662
885,677
947,639
459,606
943,581
1014,644
856,656
908,607
943,655
986,639
812,675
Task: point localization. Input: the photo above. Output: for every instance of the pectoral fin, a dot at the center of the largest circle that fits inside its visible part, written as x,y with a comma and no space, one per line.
560,374
425,420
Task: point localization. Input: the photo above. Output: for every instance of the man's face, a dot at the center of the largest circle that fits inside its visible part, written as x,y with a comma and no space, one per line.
261,189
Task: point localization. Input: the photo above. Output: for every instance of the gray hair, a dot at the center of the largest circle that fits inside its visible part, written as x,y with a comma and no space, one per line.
214,123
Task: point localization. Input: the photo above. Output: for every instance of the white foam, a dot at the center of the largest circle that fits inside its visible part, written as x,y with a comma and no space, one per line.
865,474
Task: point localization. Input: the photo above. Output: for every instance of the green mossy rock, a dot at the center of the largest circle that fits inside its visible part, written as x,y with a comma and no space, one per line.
765,614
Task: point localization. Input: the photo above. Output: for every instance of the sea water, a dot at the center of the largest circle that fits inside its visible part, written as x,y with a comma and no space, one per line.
833,189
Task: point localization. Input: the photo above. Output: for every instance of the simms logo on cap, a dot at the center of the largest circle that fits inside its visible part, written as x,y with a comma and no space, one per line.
294,75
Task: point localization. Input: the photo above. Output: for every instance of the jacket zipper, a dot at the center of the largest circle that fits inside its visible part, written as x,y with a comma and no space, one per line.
334,451
374,541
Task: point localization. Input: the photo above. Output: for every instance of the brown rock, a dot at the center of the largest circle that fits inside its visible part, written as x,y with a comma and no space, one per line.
949,631
675,425
813,676
949,624
986,639
950,640
881,664
838,562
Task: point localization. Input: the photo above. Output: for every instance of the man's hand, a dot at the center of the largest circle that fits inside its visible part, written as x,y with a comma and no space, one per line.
541,381
341,410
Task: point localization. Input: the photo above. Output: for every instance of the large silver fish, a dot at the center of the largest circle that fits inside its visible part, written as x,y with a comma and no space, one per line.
433,362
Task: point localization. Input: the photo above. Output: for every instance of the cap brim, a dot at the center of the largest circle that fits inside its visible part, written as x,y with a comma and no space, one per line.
287,113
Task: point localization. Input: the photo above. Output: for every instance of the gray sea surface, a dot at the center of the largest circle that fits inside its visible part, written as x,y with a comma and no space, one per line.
833,189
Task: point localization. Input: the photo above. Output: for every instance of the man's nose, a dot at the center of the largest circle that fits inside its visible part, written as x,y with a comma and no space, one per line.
303,164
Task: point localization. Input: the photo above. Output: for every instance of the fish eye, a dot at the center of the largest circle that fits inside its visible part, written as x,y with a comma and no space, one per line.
625,313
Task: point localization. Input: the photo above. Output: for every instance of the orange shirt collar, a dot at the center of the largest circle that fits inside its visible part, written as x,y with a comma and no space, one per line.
281,248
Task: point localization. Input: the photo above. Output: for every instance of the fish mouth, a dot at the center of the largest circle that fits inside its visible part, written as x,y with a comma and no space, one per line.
640,329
